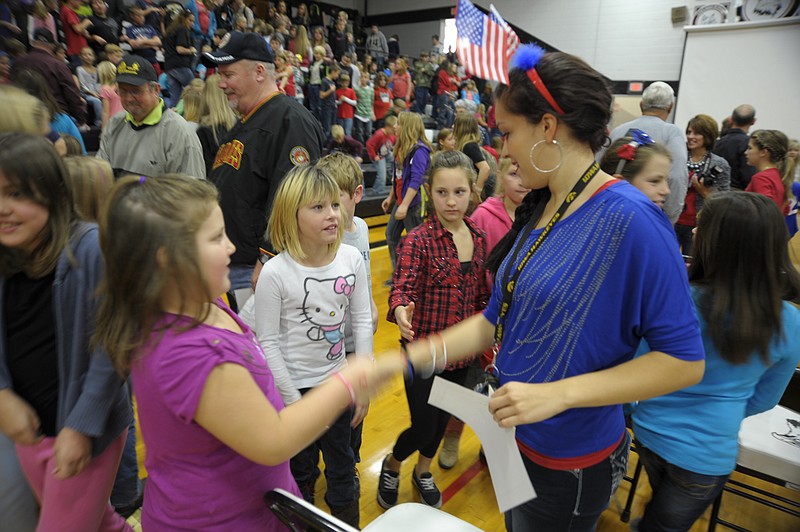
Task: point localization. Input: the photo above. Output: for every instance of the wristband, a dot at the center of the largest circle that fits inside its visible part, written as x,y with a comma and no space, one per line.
349,387
410,377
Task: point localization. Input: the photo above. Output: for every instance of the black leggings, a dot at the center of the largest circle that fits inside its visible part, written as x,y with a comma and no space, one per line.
427,422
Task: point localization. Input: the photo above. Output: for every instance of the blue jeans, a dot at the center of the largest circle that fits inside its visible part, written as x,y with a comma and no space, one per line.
240,276
444,111
347,124
362,131
679,496
328,119
97,108
394,230
420,99
127,485
178,78
314,102
339,463
570,500
381,166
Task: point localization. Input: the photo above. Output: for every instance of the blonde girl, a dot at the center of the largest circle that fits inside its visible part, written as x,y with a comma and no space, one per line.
107,76
216,119
470,92
61,402
413,153
303,298
496,215
201,376
468,140
402,86
192,106
284,73
440,278
89,180
302,46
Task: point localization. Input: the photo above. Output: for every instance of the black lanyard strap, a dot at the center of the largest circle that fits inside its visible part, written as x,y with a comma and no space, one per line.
508,285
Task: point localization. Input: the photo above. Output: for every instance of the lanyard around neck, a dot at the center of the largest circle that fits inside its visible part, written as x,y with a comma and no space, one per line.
508,285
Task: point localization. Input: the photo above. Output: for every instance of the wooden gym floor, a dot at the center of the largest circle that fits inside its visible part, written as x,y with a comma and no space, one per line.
467,487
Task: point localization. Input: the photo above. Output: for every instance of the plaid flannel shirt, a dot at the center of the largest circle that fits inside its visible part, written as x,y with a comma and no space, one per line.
429,274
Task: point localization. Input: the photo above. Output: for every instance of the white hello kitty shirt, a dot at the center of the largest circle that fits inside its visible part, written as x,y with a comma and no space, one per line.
300,315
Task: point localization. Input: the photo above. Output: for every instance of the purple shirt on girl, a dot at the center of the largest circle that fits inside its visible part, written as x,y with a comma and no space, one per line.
196,482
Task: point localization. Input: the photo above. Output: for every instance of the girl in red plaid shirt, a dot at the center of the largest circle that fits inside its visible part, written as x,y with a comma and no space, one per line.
440,279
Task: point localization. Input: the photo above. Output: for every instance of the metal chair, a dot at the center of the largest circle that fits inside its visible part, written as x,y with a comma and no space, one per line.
298,515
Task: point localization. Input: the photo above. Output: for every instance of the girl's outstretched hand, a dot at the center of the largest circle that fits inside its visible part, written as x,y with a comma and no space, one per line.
18,419
519,403
404,316
367,377
72,451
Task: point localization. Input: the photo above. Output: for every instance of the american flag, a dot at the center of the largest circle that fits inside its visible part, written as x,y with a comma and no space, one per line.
484,43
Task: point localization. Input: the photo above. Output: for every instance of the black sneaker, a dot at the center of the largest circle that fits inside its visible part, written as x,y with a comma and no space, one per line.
427,489
388,486
357,481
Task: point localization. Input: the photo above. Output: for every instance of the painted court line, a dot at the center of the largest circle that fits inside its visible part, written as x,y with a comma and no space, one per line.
462,481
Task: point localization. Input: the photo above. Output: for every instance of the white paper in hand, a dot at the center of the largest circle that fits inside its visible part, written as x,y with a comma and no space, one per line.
512,486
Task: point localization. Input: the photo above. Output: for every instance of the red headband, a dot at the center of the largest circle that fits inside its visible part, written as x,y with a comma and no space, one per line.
540,86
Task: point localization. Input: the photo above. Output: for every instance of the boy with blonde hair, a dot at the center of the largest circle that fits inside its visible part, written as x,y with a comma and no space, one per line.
347,174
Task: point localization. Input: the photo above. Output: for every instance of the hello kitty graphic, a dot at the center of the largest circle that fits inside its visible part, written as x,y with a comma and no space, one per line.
328,319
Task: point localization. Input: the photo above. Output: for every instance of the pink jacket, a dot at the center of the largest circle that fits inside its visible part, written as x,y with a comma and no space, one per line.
491,216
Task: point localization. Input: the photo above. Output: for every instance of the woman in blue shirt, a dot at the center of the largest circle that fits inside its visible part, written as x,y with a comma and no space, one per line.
589,268
741,278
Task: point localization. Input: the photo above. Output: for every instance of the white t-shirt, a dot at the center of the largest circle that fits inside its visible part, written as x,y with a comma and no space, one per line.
359,239
300,315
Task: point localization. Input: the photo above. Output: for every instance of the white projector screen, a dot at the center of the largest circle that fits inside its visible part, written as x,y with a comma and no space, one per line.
730,64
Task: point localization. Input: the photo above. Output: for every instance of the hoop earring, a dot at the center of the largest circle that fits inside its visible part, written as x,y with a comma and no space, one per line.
560,157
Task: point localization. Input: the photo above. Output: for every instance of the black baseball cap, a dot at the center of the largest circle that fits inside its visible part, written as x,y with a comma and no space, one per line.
43,35
237,46
136,70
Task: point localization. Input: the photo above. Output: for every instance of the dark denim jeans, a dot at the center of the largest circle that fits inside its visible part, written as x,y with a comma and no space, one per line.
362,131
127,486
347,125
445,114
383,167
240,276
394,230
178,79
679,496
328,119
339,463
314,101
570,500
421,99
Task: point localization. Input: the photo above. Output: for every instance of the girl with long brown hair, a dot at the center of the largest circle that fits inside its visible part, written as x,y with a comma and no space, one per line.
742,285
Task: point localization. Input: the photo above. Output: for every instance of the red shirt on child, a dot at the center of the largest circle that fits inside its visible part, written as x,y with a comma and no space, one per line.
345,109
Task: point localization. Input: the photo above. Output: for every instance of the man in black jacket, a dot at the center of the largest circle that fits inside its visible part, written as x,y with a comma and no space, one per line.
733,143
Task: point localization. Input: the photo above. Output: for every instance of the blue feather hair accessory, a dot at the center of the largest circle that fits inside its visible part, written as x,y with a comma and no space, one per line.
527,57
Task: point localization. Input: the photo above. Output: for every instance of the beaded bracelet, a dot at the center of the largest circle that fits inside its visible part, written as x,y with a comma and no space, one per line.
432,347
349,387
444,349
